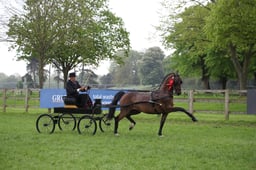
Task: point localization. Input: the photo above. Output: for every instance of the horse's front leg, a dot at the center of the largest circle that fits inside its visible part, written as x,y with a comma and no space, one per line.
176,109
163,118
116,125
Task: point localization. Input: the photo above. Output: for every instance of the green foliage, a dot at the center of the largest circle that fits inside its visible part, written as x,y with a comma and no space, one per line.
127,72
213,39
209,144
33,32
232,22
11,81
67,33
231,26
151,67
190,42
139,68
106,79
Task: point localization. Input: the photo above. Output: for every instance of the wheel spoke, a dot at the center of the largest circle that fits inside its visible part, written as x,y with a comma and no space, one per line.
87,125
67,122
45,124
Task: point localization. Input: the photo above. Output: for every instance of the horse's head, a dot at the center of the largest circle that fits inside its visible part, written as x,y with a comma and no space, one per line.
177,84
172,82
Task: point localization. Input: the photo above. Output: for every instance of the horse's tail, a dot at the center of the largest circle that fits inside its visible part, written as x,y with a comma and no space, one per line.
114,102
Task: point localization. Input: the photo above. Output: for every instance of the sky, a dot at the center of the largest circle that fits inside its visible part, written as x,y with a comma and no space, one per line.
139,16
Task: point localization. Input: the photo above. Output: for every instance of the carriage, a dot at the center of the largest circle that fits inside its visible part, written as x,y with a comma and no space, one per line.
69,118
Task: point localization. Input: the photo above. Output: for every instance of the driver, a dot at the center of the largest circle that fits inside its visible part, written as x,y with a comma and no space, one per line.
73,88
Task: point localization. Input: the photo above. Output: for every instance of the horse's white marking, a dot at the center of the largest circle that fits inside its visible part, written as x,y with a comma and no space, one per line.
132,125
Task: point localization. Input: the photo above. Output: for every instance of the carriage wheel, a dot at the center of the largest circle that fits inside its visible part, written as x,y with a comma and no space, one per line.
106,124
87,125
67,122
45,123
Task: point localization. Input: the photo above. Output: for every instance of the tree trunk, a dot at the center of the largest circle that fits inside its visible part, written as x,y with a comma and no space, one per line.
223,81
206,82
41,72
241,67
205,74
65,74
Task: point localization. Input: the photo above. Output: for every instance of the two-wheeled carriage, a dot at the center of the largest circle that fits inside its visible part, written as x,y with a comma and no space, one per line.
70,117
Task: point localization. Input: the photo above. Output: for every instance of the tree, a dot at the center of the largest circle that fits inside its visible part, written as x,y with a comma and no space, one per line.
91,38
9,81
33,32
231,26
126,73
32,69
67,33
8,9
190,43
151,66
220,66
106,80
28,81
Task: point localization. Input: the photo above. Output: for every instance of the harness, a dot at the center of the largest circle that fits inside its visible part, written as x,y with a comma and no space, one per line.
156,95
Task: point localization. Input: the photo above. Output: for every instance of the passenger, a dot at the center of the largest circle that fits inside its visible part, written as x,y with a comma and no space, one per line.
73,88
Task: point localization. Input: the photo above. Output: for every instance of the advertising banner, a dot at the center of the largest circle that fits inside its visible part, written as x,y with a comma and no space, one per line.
50,98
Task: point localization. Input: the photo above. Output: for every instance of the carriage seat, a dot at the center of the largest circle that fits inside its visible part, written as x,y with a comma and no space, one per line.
69,102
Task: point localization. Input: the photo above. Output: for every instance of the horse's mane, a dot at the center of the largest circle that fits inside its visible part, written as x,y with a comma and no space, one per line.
164,79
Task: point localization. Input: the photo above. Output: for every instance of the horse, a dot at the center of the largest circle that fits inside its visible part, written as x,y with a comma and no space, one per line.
159,101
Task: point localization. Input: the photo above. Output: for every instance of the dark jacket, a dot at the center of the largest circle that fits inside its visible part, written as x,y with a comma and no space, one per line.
71,88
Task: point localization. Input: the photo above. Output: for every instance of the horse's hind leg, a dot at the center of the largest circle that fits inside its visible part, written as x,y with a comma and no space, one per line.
116,125
117,119
176,109
133,123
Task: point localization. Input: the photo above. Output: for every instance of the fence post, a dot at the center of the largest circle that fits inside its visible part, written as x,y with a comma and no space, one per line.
226,104
191,101
4,98
26,99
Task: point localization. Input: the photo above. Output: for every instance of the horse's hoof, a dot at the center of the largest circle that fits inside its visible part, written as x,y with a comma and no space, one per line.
131,126
194,120
161,136
116,134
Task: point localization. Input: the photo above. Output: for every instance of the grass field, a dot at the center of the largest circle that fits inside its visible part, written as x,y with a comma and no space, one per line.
211,143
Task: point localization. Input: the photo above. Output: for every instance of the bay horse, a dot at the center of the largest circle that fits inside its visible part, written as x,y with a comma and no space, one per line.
159,101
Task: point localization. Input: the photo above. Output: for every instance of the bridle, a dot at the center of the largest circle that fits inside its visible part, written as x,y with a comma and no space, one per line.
172,82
